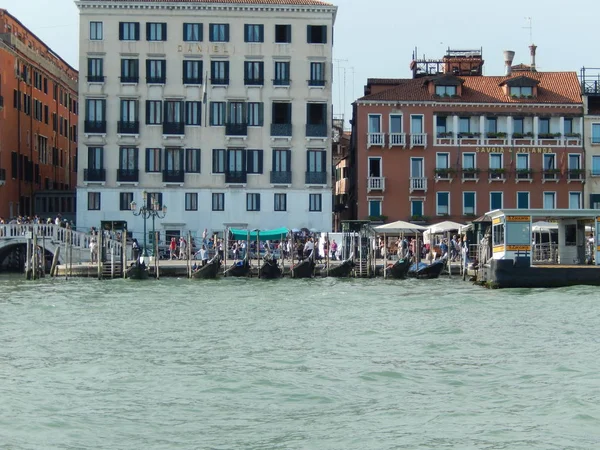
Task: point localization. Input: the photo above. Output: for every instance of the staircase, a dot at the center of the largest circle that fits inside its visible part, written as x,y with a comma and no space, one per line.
361,270
112,271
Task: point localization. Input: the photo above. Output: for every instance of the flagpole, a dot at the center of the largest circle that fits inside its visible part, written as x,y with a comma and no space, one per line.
205,98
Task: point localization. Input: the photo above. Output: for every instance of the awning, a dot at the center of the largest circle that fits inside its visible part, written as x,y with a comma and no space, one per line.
400,226
263,235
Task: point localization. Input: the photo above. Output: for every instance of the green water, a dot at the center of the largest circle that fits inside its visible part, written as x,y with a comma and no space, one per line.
297,364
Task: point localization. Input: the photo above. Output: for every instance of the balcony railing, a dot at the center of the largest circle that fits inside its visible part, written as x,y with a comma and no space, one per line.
94,126
316,83
376,184
418,184
177,128
469,173
523,175
126,127
575,175
192,80
219,81
254,81
550,175
281,177
95,79
281,129
127,175
316,130
397,140
173,176
155,79
94,175
496,174
375,139
418,140
130,79
281,82
316,178
236,129
236,177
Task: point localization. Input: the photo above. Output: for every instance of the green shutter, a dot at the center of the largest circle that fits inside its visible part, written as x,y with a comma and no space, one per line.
442,198
469,199
309,33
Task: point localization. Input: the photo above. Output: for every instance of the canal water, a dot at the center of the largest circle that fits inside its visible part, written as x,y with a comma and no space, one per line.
297,364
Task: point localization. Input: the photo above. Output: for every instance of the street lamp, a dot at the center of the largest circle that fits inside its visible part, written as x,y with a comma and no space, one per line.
146,211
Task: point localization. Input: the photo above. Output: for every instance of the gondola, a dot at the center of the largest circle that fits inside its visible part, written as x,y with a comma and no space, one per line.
137,271
422,270
342,270
304,269
270,269
209,270
399,269
239,269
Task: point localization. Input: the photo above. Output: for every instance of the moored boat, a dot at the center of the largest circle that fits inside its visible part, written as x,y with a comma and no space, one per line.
399,269
209,270
342,270
270,269
238,269
137,271
422,270
304,269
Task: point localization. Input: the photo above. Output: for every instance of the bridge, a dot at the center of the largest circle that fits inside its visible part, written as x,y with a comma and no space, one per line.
14,239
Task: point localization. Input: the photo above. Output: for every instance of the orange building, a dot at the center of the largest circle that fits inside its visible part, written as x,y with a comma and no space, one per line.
452,143
38,125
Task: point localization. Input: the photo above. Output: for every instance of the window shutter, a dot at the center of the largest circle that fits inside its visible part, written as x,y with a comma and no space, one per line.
246,36
181,159
324,161
250,161
227,70
324,27
260,161
135,158
261,114
147,112
148,25
261,33
288,33
201,32
226,32
288,161
164,36
160,200
258,202
215,161
309,33
261,70
184,29
121,31
89,69
137,31
147,160
163,68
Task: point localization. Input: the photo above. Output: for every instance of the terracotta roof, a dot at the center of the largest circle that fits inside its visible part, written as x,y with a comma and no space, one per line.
246,2
553,87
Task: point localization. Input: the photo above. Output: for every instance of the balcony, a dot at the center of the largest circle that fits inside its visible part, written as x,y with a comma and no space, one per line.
572,140
281,129
2,176
470,174
94,126
192,80
130,79
281,177
418,184
575,175
523,139
397,140
95,79
375,139
496,138
94,175
127,175
236,177
173,176
316,83
316,178
126,127
254,81
376,184
523,175
281,82
219,81
173,128
418,140
444,174
469,138
236,129
155,79
316,130
550,175
496,175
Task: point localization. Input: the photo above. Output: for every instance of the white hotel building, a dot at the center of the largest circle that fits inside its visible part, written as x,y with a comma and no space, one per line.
220,110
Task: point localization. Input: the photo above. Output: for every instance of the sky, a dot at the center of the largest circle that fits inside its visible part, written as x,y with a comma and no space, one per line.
376,38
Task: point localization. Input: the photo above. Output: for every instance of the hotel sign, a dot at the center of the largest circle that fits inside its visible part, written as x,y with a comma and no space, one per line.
516,150
518,248
518,218
199,49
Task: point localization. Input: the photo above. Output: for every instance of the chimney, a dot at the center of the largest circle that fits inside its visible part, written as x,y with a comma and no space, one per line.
532,49
508,60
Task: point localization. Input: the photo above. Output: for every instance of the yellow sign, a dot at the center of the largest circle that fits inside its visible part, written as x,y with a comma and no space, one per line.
516,150
598,248
498,248
518,218
518,248
496,221
597,219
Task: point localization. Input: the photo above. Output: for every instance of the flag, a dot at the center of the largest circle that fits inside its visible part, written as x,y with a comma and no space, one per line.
512,157
458,156
205,98
563,167
204,95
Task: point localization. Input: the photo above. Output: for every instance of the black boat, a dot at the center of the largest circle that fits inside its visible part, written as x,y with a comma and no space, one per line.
209,270
270,269
399,269
342,270
137,271
304,269
422,270
239,269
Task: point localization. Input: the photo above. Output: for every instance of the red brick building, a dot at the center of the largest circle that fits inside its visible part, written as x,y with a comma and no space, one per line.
38,119
453,143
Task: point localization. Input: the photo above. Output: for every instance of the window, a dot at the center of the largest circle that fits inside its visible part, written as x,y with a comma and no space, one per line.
281,160
518,127
316,161
218,160
469,169
495,161
125,199
416,124
374,123
283,34
574,200
252,202
154,197
129,111
129,31
280,202
94,110
153,112
317,74
543,126
96,31
130,70
495,200
192,71
93,201
464,125
254,161
442,160
255,114
316,34
174,160
549,161
218,201
491,125
441,127
156,31
219,32
595,201
395,123
156,71
282,73
574,162
237,113
314,202
568,126
253,33
445,90
192,32
219,72
95,158
469,203
191,201
217,114
153,160
128,158
549,200
522,200
192,160
375,208
442,206
193,112
519,91
416,208
173,112
596,133
253,73
596,166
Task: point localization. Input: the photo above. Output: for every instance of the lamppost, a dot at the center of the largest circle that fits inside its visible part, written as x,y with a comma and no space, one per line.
147,211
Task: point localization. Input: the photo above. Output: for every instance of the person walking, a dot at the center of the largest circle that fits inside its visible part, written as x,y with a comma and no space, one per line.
182,246
172,248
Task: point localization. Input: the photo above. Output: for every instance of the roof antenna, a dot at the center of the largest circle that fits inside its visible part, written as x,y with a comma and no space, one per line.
530,28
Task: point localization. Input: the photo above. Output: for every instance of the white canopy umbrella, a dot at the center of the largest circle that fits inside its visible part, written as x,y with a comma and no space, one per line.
543,226
400,226
441,228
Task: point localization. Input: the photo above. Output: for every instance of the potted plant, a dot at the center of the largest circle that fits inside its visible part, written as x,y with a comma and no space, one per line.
445,134
444,172
377,218
524,171
517,135
501,134
528,134
572,135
